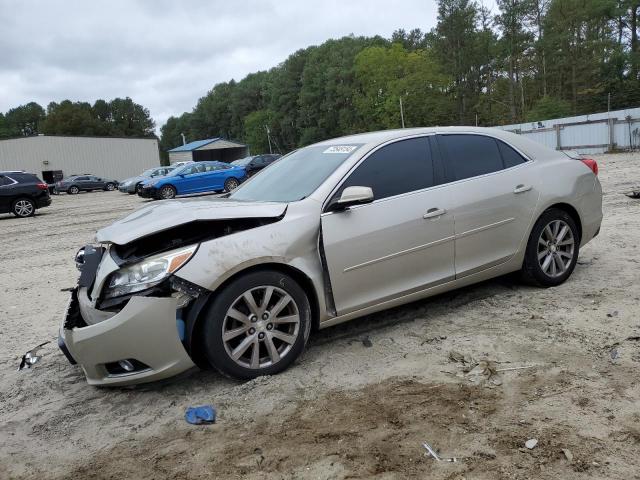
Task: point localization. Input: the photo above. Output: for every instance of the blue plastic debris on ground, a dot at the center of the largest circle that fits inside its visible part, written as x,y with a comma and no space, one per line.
201,415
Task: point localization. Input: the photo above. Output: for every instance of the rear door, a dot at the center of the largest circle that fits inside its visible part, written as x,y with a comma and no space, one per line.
493,199
7,189
400,243
96,182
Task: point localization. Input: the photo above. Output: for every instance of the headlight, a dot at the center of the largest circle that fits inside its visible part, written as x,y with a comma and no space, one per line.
148,272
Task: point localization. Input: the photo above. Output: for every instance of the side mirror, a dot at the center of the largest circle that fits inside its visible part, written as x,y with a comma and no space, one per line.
353,196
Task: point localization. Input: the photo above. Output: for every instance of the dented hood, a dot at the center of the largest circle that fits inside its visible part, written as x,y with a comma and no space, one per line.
170,213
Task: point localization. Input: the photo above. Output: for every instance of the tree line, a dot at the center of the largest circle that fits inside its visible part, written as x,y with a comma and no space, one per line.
120,117
529,60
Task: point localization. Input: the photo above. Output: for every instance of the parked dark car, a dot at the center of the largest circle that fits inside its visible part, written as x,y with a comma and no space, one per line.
256,163
22,193
75,184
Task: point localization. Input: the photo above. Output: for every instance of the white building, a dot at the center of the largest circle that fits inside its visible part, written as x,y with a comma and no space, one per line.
50,156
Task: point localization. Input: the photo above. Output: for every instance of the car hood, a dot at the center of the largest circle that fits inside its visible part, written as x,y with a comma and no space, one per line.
134,179
171,213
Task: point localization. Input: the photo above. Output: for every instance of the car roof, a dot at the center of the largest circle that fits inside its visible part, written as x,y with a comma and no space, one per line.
371,139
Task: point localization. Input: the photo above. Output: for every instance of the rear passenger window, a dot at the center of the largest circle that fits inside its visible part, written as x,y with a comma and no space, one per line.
397,168
471,155
5,181
510,156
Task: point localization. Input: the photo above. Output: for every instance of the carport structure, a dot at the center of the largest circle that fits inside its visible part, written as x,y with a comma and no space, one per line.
219,149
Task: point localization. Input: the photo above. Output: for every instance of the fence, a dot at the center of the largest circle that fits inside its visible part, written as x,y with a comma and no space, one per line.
594,133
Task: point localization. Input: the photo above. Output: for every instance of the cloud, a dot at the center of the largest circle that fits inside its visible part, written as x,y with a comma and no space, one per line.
166,54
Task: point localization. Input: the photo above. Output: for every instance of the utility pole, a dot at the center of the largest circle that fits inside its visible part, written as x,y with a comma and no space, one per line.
476,119
401,112
268,137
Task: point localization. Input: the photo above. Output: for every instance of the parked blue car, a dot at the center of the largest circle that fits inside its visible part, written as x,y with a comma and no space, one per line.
197,177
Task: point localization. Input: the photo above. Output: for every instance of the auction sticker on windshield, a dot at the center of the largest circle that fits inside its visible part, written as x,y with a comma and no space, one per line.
341,149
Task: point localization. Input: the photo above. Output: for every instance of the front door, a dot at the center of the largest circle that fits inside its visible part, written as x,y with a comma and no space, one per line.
400,243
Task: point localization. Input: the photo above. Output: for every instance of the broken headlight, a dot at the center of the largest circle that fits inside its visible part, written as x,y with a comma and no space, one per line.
147,273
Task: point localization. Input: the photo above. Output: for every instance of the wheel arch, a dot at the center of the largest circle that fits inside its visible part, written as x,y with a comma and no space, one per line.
569,210
195,322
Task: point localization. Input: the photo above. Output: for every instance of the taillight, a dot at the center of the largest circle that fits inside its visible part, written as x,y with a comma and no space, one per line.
42,186
592,164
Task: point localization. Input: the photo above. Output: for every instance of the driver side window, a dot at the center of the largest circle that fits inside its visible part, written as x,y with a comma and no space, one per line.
400,167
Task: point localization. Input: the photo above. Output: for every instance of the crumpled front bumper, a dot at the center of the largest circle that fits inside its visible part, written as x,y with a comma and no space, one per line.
144,331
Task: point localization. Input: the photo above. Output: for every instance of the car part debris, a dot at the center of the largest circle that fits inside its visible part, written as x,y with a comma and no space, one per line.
203,415
435,455
568,455
367,342
633,193
531,443
30,358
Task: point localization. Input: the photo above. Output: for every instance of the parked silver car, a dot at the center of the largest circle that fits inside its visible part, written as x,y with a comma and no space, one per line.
328,233
133,184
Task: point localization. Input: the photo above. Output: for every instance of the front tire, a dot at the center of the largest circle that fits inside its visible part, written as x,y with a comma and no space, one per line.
552,250
231,184
109,187
258,325
23,207
167,192
73,190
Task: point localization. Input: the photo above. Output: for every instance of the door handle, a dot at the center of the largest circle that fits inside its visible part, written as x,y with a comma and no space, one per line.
522,188
434,212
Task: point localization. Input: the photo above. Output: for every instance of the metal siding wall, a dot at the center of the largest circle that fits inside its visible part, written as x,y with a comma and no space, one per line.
582,136
180,157
115,158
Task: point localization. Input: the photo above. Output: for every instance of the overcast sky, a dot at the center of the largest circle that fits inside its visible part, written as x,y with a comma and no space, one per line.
165,54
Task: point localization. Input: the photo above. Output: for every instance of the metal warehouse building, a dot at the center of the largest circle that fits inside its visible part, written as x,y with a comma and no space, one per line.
50,156
210,149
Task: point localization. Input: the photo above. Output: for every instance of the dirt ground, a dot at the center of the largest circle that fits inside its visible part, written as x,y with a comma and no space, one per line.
364,396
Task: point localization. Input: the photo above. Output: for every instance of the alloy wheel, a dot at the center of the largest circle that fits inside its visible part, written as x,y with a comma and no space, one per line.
556,248
167,193
23,208
231,184
261,327
110,186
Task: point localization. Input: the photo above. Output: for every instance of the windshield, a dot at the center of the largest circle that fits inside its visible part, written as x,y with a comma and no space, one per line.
147,173
176,171
242,161
295,176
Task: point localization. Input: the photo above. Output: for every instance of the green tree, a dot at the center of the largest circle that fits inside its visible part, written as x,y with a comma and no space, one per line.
255,131
547,108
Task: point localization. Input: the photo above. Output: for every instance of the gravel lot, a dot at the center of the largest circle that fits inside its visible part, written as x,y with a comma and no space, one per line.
364,396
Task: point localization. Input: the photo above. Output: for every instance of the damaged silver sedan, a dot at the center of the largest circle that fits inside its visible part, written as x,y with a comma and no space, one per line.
328,233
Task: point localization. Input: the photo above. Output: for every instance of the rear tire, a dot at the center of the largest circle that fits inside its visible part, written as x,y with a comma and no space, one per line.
230,184
23,207
167,192
73,190
109,187
552,250
264,338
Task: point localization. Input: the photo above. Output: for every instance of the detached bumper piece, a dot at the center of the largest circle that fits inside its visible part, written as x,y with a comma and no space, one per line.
138,344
